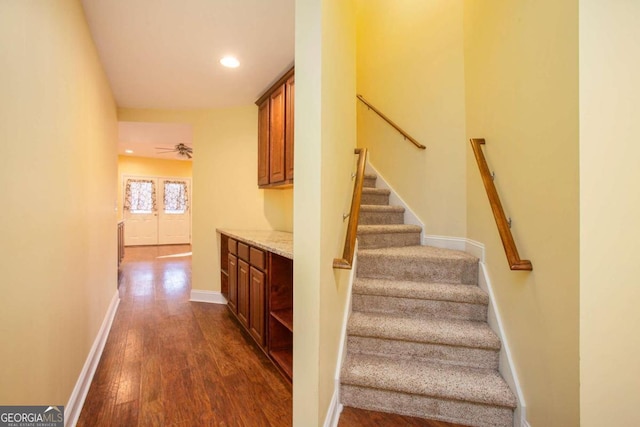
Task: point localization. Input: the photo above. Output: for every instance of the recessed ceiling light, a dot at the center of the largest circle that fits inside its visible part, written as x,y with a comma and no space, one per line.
128,151
230,62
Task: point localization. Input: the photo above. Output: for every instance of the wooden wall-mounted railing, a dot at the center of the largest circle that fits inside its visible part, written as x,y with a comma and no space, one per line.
515,263
388,120
346,262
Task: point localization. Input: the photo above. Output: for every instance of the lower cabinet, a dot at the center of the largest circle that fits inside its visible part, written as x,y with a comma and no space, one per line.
257,303
260,295
243,293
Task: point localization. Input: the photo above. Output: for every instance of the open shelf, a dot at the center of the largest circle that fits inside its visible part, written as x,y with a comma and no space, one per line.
284,359
285,317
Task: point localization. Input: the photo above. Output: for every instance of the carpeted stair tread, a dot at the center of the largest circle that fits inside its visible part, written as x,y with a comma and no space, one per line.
428,379
417,263
370,176
381,208
421,290
389,229
372,190
418,252
439,331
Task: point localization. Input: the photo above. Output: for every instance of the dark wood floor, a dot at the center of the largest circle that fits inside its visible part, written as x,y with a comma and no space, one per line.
170,362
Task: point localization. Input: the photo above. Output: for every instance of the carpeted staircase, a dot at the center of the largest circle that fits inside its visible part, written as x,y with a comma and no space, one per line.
418,342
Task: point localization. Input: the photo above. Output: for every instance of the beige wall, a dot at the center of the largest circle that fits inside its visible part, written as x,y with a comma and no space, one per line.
521,75
325,131
144,166
58,134
225,186
410,64
609,212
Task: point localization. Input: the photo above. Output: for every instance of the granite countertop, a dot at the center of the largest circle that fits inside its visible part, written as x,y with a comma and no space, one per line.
278,242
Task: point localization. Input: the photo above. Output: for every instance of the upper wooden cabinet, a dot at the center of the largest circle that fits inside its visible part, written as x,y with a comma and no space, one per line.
275,133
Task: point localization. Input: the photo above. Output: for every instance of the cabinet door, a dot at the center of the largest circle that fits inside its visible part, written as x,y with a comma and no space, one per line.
256,306
290,89
263,143
243,293
276,135
232,302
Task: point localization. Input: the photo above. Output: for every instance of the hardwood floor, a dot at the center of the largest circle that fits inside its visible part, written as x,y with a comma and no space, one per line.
171,362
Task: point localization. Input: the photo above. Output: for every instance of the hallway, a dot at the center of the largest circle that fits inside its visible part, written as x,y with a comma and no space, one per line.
169,362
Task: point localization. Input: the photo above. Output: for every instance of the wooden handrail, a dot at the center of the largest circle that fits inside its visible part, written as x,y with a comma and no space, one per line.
515,263
388,120
346,262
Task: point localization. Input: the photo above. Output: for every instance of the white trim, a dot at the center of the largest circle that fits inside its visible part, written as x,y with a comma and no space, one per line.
395,200
507,367
213,297
335,407
79,394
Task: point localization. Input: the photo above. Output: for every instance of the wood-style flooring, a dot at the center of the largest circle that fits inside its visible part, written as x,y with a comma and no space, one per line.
171,362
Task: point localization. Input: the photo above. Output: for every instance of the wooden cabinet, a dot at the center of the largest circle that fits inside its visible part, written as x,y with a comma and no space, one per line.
243,292
232,298
290,91
275,134
260,295
257,285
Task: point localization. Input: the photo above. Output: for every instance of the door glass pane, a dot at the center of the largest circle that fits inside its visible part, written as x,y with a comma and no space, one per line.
175,197
140,196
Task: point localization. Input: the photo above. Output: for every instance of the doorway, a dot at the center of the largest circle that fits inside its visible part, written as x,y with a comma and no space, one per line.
156,210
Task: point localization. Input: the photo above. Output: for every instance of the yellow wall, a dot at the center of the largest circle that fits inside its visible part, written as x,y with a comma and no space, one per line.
411,67
325,131
609,212
521,74
225,186
58,133
144,166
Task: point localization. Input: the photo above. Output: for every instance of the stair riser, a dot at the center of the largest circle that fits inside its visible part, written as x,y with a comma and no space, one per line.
398,268
472,414
419,307
452,355
380,218
374,199
369,182
388,240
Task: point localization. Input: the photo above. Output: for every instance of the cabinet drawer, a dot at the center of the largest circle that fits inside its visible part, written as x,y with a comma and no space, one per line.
243,251
257,258
233,246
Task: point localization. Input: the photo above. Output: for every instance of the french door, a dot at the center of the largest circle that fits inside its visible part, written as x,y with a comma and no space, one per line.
157,210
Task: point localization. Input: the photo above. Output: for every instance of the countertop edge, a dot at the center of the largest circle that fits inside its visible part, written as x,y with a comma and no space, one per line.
249,237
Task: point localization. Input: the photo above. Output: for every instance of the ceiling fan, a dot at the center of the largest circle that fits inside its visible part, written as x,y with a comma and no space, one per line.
182,149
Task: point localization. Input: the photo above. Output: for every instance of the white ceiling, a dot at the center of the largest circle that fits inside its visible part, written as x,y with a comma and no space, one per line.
165,55
144,138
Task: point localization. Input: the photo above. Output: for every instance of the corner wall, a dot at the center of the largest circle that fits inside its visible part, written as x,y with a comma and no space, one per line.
325,132
58,133
225,185
521,77
609,212
410,62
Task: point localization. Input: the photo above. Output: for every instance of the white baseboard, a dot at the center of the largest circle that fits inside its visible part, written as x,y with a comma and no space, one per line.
507,367
335,407
79,394
213,297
